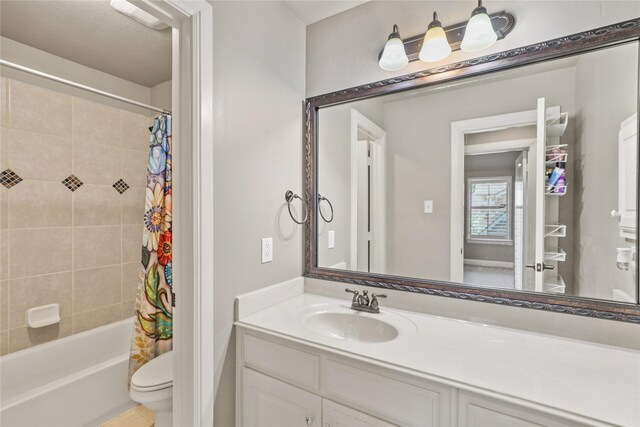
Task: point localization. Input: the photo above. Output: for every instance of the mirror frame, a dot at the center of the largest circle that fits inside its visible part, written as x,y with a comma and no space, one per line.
610,35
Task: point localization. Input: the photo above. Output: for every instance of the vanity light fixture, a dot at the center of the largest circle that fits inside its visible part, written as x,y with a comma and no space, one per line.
435,45
479,33
393,57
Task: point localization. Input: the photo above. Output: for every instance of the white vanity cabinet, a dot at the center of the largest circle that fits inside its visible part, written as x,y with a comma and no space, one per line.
479,411
284,383
272,403
297,380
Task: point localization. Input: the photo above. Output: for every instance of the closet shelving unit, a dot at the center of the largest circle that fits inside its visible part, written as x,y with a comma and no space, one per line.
554,231
553,283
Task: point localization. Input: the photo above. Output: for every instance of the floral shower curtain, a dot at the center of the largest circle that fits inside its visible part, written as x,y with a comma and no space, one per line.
153,333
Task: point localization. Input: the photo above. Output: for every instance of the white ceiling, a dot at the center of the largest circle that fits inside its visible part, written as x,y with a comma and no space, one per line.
310,11
90,33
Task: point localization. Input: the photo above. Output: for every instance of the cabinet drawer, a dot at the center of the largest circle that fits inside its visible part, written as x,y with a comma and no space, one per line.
407,403
336,415
480,411
291,365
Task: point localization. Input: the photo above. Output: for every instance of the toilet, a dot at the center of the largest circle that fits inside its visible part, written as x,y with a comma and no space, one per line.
152,387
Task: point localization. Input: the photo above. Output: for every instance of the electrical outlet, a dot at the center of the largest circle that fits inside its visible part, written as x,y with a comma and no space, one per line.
267,250
428,206
331,239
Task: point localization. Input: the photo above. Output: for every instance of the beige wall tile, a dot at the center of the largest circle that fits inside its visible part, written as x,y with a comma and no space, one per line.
96,205
4,148
39,110
134,168
39,156
133,201
128,309
94,318
93,122
4,254
95,163
22,338
4,305
34,291
4,102
96,287
131,243
96,246
4,343
135,131
39,204
39,251
4,207
131,276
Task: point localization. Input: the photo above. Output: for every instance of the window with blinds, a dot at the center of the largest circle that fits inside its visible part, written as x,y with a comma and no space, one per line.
489,209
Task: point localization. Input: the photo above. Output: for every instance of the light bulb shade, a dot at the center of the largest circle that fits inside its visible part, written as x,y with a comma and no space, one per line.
435,45
479,33
393,57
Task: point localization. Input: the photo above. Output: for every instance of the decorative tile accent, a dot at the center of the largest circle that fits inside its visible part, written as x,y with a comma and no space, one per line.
9,178
121,186
72,182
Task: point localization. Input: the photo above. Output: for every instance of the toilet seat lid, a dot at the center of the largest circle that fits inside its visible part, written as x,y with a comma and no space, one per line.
155,374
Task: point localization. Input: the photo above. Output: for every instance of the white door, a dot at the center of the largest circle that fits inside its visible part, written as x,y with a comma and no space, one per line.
627,176
335,415
267,402
536,265
363,150
519,218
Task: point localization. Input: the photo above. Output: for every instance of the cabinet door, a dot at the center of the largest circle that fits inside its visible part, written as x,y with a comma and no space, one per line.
335,415
267,402
480,411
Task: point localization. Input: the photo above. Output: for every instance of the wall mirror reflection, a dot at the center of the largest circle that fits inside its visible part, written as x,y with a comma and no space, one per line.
522,179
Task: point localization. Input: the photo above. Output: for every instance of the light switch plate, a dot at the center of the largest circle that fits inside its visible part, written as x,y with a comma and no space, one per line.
428,206
267,250
331,239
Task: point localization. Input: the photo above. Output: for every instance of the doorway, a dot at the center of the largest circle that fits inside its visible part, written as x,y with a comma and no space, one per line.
368,195
495,213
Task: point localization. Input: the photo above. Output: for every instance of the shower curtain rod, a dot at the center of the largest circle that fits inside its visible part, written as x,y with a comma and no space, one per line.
81,86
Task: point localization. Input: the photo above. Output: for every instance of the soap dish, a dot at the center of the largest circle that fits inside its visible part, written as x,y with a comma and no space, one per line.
39,317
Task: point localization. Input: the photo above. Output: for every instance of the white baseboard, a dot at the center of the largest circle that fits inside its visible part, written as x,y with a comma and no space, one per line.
488,263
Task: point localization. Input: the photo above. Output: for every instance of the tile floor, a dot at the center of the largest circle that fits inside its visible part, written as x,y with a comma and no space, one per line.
489,276
134,417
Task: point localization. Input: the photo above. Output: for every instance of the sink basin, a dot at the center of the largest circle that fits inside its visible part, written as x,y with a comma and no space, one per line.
351,326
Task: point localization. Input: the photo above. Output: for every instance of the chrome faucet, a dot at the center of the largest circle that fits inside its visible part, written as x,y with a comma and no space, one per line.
362,302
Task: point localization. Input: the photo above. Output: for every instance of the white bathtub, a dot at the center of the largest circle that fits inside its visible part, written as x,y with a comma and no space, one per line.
80,380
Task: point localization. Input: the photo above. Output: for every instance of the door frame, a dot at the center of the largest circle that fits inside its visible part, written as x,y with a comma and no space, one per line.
192,105
459,130
361,123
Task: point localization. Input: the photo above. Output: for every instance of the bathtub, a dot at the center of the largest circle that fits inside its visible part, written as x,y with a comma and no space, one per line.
80,380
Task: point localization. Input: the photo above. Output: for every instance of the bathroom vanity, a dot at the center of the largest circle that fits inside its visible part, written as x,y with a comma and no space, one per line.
310,360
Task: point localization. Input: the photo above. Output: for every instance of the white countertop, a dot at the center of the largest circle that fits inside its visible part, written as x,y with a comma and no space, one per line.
590,380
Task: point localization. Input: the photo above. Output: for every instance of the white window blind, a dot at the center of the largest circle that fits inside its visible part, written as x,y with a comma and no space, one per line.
488,209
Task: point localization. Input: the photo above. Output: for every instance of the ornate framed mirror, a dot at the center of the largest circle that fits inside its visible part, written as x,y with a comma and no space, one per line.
509,178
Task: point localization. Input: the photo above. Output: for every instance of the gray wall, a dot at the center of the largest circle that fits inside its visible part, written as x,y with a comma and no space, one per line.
419,161
258,127
334,165
482,166
606,96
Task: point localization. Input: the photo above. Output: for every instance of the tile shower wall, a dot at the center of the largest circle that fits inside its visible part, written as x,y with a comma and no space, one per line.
71,206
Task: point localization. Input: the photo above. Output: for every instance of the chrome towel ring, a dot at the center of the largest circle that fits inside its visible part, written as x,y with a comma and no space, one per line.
289,196
320,199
